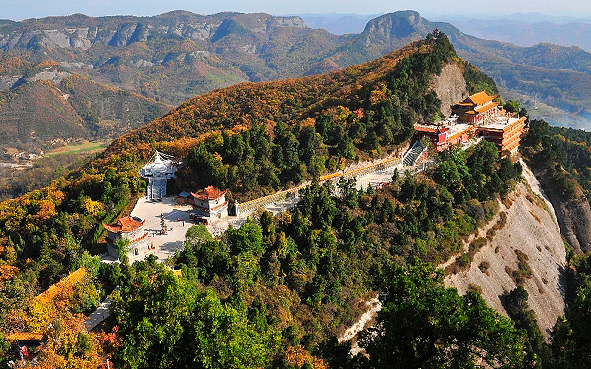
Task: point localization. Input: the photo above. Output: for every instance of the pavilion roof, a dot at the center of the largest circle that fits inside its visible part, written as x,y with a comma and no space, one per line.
478,98
209,193
125,224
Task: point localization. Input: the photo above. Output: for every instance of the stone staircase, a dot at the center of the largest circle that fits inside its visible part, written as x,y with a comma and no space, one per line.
412,156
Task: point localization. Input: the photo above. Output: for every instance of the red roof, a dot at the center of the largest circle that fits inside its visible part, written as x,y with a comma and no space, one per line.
209,193
432,129
125,224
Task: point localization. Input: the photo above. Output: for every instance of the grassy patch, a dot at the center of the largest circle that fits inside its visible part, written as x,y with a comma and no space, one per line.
523,271
79,148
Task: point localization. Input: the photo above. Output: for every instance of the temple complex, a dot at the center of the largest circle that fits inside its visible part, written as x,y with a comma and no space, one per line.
129,228
475,116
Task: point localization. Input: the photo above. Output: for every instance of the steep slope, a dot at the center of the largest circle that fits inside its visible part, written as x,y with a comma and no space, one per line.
530,230
573,213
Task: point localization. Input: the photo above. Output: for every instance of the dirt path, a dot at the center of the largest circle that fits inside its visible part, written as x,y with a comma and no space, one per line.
374,306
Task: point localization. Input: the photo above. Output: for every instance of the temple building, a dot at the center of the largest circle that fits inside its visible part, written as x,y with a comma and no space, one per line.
129,228
210,203
446,134
475,117
158,172
475,108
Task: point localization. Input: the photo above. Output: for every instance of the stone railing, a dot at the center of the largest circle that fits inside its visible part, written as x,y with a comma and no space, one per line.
261,202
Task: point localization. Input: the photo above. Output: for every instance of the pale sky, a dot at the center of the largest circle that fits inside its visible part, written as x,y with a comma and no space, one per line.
23,9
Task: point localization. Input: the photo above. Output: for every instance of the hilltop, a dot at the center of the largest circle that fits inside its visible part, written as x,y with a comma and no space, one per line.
252,138
44,104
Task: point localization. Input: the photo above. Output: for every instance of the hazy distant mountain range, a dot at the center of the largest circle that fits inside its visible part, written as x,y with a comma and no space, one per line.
528,34
167,59
338,24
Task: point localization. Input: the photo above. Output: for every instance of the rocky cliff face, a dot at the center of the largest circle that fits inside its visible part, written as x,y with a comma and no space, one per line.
450,87
574,215
82,32
530,236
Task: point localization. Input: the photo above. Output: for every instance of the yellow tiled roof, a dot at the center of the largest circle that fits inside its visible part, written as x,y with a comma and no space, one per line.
480,98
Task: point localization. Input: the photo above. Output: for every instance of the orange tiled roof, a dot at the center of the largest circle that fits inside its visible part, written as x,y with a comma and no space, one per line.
209,193
70,280
486,107
25,336
125,224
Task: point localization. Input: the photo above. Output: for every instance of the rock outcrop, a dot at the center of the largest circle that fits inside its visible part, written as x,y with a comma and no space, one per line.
574,215
450,86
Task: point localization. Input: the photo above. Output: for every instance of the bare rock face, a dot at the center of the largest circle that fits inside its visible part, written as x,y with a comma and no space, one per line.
450,86
121,31
574,215
532,235
575,221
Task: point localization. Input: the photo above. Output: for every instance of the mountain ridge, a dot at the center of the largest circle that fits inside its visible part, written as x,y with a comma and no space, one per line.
196,55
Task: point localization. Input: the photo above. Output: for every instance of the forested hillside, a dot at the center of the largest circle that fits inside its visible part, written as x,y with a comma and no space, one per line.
49,106
366,109
277,291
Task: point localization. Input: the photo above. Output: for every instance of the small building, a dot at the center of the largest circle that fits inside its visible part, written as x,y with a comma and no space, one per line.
158,172
129,228
476,108
444,136
210,203
436,134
